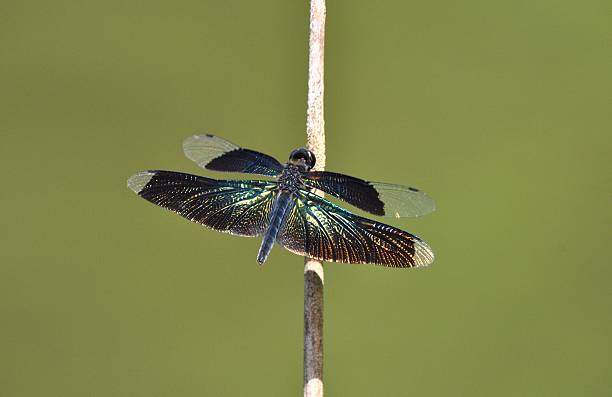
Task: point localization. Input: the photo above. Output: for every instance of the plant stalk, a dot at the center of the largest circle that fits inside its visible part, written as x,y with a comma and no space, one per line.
313,270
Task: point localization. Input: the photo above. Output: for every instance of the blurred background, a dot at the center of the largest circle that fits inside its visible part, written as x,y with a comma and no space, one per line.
500,110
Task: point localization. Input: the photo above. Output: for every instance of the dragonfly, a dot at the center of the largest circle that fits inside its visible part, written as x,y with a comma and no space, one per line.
289,209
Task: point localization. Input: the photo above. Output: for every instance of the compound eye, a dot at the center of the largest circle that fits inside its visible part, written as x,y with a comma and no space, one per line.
311,160
298,154
302,157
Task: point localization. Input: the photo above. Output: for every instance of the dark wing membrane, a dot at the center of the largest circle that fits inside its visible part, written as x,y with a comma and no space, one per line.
317,228
376,198
217,154
237,207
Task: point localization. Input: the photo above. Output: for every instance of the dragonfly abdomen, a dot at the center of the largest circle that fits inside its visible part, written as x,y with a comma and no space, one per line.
282,206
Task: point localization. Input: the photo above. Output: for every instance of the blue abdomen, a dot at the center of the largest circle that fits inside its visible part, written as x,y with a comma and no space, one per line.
281,208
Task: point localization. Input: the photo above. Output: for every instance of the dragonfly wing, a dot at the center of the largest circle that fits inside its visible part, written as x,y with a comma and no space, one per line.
322,230
217,154
376,198
237,207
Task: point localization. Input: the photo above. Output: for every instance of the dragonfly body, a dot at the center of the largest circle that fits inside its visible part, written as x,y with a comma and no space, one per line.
286,210
289,181
280,209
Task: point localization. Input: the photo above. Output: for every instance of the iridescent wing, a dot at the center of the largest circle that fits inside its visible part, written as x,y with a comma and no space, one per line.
377,198
236,207
217,154
322,230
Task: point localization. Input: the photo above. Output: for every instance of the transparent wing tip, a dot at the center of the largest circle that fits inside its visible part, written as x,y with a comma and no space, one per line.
205,147
197,141
428,205
199,137
423,255
138,181
402,201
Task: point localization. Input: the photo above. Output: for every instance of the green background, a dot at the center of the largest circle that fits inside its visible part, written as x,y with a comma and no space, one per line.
500,110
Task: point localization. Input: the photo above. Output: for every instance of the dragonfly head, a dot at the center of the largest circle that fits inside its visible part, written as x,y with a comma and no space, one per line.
302,158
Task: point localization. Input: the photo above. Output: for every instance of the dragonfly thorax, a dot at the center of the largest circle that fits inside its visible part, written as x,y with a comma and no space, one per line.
290,179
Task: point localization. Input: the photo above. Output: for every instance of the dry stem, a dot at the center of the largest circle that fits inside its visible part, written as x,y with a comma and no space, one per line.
313,270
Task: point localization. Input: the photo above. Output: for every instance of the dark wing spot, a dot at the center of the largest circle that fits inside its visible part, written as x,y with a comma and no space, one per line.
354,191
